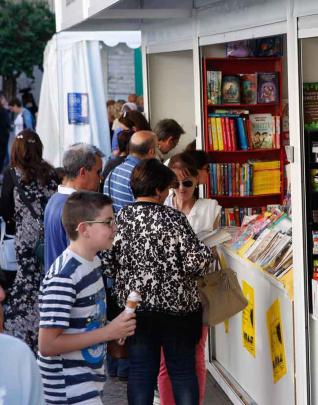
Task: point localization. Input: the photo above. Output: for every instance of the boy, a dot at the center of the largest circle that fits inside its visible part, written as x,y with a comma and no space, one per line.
73,307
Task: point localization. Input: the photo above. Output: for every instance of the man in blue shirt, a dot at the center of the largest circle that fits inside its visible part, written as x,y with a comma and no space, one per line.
83,166
23,117
142,145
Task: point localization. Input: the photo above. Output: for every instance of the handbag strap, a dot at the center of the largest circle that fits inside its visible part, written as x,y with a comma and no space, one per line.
23,197
3,230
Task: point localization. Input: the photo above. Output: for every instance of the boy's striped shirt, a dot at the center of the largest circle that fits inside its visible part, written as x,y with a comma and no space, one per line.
72,297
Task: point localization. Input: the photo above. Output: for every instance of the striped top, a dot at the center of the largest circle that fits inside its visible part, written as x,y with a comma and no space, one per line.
117,183
72,297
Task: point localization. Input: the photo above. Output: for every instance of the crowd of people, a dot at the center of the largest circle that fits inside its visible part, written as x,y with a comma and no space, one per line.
135,225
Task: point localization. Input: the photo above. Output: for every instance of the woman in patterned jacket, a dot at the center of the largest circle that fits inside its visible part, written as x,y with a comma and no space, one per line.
156,253
38,181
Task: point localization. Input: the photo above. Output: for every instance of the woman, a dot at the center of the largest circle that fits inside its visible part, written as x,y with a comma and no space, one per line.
129,120
203,216
38,181
156,253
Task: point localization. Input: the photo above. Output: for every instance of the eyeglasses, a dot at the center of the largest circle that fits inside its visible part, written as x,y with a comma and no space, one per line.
185,183
108,222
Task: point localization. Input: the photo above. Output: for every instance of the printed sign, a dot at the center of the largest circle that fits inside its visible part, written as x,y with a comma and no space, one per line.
77,108
226,326
276,341
248,320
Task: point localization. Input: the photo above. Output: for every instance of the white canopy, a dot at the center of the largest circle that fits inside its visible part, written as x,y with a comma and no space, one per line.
73,68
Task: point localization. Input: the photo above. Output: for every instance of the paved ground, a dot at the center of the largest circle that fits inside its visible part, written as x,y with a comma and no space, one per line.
115,393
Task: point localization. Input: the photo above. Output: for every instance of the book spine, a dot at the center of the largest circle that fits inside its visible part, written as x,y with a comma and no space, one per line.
230,179
228,134
277,131
241,134
210,135
219,133
238,179
224,135
208,87
214,134
233,133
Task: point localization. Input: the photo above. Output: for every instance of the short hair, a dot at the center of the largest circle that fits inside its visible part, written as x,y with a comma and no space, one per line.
200,158
82,206
80,155
15,101
148,176
143,148
168,128
123,139
184,162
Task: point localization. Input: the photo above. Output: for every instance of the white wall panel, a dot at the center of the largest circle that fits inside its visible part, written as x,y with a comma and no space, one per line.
305,7
171,91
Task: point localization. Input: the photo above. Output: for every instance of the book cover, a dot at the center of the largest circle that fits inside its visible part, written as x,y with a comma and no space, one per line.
310,96
314,179
261,131
267,87
231,90
219,133
249,88
215,142
240,49
315,242
214,84
269,46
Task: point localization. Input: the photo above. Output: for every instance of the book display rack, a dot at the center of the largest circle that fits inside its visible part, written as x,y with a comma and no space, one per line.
242,123
311,169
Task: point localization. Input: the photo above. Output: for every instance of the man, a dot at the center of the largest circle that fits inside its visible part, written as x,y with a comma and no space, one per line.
83,167
23,119
168,132
20,380
142,145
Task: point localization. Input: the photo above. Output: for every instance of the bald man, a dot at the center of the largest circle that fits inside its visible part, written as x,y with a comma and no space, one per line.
142,145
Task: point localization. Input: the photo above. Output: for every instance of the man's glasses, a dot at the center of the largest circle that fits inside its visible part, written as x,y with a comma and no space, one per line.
185,183
108,222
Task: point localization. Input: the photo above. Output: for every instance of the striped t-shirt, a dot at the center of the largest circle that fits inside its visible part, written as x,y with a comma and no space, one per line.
72,297
117,183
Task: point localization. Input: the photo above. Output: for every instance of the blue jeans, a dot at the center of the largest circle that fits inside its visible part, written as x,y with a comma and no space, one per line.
117,367
144,362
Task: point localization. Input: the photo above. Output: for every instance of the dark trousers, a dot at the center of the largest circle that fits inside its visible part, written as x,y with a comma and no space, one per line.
144,362
4,139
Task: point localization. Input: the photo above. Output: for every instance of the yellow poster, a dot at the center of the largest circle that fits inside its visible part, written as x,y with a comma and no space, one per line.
276,341
226,325
248,320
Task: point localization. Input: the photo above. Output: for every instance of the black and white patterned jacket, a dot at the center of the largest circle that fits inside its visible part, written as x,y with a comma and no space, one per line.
156,253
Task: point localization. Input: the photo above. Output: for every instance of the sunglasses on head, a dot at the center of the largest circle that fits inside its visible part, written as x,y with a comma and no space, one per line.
185,183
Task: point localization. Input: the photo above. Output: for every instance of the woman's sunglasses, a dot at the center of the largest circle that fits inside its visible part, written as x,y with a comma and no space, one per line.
185,183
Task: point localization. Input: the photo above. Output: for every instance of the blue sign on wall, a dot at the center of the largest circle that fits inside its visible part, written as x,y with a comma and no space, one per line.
77,108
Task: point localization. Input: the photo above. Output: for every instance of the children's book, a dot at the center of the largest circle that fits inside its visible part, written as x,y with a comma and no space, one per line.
249,88
310,106
231,90
262,131
214,83
267,87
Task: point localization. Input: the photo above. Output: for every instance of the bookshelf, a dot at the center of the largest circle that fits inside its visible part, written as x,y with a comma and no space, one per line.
236,67
311,167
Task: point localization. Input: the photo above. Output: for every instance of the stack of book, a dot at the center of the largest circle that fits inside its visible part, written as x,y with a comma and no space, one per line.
266,240
234,216
266,177
239,180
235,130
250,89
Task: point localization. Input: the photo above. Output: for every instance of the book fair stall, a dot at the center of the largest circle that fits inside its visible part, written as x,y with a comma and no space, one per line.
241,77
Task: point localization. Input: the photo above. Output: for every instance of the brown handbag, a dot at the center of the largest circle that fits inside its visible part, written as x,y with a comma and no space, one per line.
117,351
221,295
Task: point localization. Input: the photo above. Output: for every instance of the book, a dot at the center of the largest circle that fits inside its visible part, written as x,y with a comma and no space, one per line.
314,179
267,87
231,89
315,242
214,84
269,46
261,131
240,49
310,97
242,136
249,88
216,237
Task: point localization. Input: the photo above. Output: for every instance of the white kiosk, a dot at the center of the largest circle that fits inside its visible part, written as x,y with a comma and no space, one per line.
175,35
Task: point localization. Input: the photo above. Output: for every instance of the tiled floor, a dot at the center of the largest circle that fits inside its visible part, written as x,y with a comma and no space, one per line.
115,393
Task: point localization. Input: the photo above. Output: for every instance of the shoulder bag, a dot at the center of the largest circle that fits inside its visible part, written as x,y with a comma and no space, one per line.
8,259
221,295
39,246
